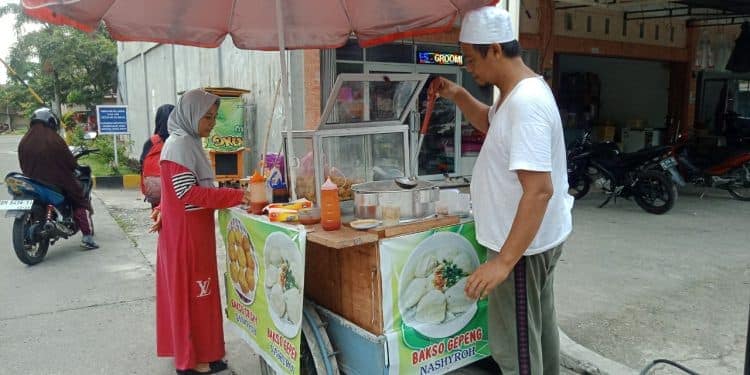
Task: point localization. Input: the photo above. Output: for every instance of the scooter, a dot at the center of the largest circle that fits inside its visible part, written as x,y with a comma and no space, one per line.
622,174
43,215
725,168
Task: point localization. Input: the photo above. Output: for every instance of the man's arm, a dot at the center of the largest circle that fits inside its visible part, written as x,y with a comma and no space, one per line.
474,110
537,191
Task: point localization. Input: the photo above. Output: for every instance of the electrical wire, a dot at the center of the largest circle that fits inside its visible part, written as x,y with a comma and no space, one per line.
668,362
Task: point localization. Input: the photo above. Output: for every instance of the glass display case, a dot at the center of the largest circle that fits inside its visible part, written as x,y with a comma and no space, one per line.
362,135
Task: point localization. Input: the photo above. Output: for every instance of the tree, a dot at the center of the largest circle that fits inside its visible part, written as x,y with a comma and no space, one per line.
62,64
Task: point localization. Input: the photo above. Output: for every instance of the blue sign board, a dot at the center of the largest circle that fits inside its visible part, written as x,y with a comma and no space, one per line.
112,119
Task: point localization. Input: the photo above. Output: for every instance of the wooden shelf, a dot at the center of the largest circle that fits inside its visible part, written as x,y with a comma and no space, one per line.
414,227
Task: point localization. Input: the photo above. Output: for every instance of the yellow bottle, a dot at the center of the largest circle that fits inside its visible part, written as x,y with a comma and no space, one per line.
330,210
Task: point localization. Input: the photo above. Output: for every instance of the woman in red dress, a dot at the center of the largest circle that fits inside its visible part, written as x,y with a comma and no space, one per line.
189,322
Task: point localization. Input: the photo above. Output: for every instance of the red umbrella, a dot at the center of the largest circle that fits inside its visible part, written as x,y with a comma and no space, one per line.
310,24
257,24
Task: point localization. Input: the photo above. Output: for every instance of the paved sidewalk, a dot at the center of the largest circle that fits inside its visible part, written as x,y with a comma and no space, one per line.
132,213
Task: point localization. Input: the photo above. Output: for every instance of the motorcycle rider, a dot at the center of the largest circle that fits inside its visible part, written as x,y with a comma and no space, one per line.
44,156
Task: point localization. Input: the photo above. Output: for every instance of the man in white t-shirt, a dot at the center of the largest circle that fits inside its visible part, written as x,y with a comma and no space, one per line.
519,192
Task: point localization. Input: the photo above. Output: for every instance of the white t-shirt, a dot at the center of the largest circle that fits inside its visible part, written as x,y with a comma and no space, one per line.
525,134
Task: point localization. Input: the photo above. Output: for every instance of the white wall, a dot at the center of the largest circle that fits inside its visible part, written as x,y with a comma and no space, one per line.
630,89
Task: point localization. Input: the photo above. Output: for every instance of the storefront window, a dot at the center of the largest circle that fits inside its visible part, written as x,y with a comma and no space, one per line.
451,144
472,139
392,53
349,68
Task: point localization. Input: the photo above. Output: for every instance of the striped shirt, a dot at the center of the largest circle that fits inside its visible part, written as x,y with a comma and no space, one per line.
182,183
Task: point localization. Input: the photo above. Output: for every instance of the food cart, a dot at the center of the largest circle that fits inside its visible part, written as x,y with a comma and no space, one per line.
384,300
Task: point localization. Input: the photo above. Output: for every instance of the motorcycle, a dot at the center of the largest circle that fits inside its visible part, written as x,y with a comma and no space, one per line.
43,215
623,174
724,168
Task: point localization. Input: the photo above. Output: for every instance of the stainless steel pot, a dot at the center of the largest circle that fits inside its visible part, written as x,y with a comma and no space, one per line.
414,204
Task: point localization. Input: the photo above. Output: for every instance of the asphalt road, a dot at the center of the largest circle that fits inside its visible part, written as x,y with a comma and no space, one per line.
635,287
85,312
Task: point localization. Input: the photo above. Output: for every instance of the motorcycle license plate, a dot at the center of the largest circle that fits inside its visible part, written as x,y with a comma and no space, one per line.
668,163
16,204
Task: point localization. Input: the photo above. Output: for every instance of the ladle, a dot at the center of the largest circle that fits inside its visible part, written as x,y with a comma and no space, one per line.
411,182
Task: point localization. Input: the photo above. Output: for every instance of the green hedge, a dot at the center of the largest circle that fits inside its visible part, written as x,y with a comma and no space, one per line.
102,162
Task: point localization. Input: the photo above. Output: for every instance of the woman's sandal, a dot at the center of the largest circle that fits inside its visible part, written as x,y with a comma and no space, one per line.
215,367
218,366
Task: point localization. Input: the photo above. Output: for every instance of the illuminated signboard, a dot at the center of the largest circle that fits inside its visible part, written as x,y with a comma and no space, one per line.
436,58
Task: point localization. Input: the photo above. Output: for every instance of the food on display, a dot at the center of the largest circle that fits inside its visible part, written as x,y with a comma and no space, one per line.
283,282
242,261
432,297
306,187
431,308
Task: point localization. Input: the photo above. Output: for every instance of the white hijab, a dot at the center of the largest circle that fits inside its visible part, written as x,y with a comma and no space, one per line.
184,143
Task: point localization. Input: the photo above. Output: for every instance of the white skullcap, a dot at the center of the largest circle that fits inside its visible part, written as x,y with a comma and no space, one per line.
486,25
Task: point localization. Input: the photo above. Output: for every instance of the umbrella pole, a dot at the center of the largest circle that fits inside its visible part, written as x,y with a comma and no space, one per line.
287,102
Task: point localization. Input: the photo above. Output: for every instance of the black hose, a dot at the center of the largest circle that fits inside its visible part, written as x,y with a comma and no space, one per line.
668,362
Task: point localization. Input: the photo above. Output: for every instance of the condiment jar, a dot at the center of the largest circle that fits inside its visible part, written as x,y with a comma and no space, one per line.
258,197
330,210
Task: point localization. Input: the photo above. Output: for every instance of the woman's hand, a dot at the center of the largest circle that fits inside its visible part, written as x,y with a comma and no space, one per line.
156,218
246,198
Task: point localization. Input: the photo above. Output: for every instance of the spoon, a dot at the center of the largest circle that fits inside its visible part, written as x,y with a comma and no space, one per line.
406,182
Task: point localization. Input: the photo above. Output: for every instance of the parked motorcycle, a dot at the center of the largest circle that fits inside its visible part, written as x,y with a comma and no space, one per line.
43,215
622,174
724,168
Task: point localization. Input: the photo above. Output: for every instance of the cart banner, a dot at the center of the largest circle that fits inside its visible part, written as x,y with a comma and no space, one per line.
264,285
431,326
229,133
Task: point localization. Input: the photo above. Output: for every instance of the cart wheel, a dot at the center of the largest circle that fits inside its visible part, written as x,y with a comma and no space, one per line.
317,356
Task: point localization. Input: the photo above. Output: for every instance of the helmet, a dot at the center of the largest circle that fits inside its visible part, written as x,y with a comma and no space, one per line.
45,117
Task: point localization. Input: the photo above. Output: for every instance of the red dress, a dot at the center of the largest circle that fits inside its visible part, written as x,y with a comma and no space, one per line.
189,322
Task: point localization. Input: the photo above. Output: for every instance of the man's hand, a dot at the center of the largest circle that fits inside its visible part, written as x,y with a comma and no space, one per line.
485,278
537,191
473,110
156,218
444,88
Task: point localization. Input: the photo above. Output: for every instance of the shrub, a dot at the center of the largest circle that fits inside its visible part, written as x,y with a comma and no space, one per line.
106,153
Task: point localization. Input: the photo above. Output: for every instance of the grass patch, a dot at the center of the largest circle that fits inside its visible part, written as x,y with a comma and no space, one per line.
101,168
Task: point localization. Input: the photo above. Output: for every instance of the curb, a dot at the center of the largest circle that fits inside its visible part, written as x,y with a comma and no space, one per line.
582,360
128,181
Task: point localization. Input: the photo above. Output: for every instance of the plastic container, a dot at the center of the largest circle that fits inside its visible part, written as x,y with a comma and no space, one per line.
258,197
309,216
280,194
330,209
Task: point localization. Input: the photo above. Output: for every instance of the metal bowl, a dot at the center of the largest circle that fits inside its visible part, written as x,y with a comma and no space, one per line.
414,204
